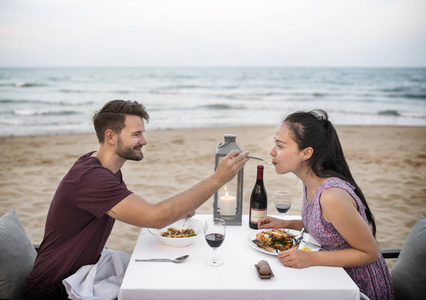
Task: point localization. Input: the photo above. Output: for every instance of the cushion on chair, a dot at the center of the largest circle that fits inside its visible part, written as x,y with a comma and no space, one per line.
409,272
17,256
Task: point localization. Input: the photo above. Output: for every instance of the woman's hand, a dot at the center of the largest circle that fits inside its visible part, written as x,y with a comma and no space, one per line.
270,222
295,258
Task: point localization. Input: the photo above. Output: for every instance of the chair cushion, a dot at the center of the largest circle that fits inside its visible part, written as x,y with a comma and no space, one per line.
17,256
409,271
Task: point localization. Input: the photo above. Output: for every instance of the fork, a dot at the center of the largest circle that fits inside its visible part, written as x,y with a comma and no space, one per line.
258,158
298,238
186,219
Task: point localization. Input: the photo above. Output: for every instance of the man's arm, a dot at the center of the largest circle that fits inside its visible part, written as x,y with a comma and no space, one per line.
137,211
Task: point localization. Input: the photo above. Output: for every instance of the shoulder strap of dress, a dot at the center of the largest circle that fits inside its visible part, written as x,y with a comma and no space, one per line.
336,182
339,183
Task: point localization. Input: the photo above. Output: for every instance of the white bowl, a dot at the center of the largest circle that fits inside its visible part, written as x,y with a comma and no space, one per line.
191,223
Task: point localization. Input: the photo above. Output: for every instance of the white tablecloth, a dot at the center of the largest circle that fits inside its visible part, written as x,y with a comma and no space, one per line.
235,279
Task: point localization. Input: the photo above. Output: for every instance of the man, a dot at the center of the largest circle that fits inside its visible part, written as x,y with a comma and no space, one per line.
92,195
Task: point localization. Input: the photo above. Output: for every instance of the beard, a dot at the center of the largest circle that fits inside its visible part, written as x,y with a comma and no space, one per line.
128,152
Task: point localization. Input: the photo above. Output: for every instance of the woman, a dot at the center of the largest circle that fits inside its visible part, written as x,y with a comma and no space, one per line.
334,211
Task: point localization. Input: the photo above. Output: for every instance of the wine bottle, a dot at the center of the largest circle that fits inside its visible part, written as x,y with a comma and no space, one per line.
258,200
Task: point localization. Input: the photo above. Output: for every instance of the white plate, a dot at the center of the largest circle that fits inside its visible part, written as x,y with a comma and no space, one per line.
306,236
191,223
309,247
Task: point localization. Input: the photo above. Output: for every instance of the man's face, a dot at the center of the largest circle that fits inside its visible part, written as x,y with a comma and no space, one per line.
131,139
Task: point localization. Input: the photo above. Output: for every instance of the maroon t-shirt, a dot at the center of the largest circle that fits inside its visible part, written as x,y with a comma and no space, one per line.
77,226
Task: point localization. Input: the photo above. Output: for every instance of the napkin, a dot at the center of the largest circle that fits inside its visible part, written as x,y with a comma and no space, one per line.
101,280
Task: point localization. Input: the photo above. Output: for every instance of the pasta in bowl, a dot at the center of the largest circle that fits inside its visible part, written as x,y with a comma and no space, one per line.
178,236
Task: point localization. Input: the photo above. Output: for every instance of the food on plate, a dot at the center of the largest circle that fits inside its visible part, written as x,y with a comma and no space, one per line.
176,233
306,248
274,240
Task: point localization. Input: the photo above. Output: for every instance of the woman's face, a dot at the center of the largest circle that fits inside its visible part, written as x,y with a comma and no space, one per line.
286,156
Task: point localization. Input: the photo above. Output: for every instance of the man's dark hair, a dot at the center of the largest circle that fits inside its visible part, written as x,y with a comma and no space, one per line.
113,116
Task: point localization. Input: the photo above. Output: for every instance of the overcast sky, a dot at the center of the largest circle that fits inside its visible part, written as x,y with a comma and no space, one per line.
134,33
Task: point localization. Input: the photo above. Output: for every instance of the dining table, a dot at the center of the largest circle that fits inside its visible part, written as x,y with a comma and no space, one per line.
237,278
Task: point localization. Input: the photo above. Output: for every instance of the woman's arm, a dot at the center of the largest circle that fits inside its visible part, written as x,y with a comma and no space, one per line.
271,222
339,209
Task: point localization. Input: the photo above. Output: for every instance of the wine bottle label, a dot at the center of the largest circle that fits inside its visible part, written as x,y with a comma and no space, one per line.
257,214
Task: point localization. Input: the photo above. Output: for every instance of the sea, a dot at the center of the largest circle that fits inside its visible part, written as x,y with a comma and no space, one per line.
39,101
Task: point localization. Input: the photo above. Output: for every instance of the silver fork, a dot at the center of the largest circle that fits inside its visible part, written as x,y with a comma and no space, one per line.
258,158
186,219
298,238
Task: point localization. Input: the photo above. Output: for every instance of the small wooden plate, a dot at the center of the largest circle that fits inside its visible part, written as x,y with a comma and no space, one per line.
263,276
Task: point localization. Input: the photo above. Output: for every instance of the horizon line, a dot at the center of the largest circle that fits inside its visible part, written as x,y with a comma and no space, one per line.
236,67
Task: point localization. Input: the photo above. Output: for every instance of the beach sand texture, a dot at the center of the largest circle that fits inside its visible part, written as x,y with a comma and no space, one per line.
388,163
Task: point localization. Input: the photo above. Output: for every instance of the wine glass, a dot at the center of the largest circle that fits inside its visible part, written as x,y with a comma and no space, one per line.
214,232
283,201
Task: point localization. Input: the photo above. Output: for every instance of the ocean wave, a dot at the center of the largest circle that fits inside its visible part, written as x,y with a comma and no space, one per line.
76,103
29,122
45,102
413,115
184,87
318,94
389,113
230,87
122,92
383,113
25,101
29,112
215,107
6,111
58,79
396,89
7,85
414,96
42,102
160,92
28,84
245,96
5,101
71,91
407,93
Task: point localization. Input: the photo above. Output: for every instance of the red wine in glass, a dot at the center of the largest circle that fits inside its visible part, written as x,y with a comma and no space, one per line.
282,208
283,201
215,239
214,232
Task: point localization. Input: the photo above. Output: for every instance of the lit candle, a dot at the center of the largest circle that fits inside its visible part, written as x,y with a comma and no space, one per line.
227,204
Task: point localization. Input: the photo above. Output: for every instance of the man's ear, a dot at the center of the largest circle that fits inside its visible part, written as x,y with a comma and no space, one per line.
110,137
307,153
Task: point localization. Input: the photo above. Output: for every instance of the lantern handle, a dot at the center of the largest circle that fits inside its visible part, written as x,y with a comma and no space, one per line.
223,144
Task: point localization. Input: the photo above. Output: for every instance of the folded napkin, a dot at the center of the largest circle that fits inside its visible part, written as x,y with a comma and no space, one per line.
101,280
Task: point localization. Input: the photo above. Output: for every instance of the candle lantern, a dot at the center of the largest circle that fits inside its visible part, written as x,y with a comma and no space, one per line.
228,201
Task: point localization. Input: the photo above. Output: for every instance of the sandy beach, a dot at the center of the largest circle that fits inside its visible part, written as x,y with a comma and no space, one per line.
388,163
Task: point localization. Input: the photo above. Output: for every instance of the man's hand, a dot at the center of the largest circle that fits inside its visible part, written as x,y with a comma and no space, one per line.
230,166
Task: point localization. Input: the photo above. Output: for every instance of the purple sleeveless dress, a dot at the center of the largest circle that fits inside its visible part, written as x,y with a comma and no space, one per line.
373,280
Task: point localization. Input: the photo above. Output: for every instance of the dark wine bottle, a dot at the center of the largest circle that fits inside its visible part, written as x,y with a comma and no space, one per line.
258,200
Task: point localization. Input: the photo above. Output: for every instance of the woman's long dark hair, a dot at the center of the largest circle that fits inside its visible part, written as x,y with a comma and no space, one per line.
313,129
